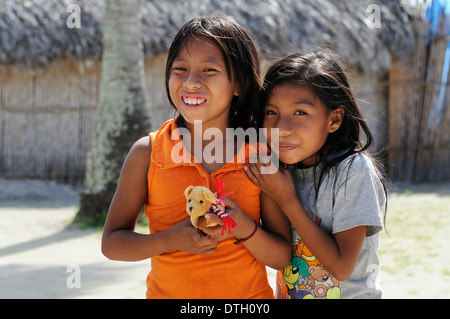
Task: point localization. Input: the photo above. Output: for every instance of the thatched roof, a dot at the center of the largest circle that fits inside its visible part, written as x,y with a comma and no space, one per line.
34,32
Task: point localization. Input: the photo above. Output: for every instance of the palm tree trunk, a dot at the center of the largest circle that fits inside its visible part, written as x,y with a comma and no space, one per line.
122,113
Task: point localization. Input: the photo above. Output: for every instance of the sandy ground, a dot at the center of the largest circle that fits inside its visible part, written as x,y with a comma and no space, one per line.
39,248
415,256
43,256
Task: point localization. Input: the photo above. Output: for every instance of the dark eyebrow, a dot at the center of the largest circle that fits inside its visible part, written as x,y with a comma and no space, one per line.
298,102
305,101
209,59
213,59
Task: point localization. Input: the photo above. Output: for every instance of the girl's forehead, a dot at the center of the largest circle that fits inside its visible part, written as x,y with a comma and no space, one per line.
196,45
205,50
293,95
292,90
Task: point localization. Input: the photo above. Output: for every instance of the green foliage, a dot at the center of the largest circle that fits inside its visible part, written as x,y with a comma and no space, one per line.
94,221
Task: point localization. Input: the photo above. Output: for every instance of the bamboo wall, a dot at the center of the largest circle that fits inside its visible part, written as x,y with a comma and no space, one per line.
419,122
370,91
47,115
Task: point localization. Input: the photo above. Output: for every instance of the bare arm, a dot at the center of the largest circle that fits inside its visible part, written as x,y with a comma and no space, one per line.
339,252
276,249
120,241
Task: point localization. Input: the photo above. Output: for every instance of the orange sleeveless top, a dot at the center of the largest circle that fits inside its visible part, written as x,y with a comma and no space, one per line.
231,272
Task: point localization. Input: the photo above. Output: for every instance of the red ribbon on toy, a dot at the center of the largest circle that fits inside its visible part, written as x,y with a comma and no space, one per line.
228,222
220,186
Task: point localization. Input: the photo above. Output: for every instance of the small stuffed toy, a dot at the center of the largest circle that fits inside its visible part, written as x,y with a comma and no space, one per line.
201,200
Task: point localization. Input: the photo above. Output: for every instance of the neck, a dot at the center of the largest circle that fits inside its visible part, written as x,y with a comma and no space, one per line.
206,133
209,144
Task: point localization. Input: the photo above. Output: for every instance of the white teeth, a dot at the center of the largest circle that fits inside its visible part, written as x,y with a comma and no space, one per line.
193,101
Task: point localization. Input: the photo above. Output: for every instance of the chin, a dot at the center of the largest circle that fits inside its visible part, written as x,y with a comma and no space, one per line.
287,160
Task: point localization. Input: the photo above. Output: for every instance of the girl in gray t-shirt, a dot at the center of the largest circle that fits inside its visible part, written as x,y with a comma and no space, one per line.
330,188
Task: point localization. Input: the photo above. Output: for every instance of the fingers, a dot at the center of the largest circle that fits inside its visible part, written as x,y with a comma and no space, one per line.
206,244
253,172
214,232
213,218
251,176
256,164
229,203
204,220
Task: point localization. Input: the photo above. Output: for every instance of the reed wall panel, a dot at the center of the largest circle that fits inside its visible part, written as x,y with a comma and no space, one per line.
47,115
418,132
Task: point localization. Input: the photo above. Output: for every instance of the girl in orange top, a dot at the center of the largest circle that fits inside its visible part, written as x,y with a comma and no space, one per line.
212,76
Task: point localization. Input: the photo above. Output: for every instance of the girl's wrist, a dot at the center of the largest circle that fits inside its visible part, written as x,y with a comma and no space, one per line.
284,199
166,240
281,195
245,227
292,207
241,240
170,238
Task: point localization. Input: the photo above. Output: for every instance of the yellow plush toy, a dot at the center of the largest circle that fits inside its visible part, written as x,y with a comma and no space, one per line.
201,200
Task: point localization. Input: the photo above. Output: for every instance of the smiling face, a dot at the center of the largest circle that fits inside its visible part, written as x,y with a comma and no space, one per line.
199,85
303,122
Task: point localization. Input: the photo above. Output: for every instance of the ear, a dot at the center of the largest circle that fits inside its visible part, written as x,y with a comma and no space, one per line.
237,89
336,117
209,195
188,191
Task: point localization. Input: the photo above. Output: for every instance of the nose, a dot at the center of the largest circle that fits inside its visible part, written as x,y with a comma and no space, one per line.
285,126
192,81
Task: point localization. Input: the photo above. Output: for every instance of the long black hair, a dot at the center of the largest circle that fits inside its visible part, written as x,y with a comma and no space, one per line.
241,58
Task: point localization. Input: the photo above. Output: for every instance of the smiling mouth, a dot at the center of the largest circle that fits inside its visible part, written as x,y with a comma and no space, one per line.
193,101
286,147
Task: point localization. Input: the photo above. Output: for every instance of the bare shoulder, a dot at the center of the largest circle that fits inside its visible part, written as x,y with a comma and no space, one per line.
139,155
142,148
143,145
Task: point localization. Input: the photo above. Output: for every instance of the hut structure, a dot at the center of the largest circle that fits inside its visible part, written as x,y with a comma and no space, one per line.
50,68
419,100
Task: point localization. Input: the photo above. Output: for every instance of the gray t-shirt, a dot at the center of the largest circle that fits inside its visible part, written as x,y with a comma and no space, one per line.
350,195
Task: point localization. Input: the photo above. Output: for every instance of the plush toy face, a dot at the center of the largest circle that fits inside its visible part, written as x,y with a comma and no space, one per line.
199,200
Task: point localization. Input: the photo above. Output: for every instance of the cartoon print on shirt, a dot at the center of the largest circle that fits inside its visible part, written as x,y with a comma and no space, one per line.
324,284
306,278
295,275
